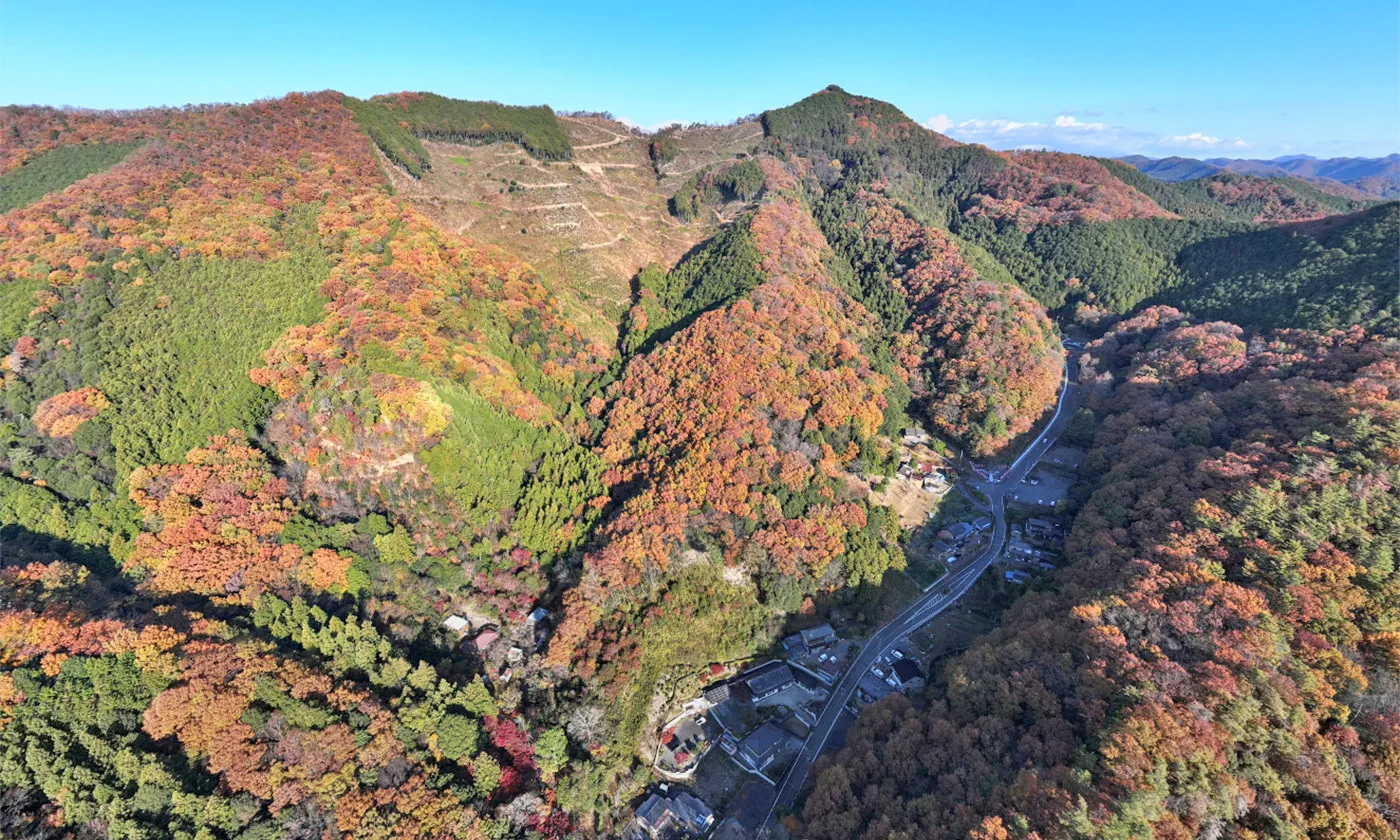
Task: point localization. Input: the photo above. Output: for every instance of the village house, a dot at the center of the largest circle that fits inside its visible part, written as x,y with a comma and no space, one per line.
957,533
1041,529
913,436
767,679
761,746
486,637
908,674
819,637
794,646
681,812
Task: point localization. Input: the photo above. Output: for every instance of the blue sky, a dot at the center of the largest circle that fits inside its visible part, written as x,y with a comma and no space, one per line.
1203,79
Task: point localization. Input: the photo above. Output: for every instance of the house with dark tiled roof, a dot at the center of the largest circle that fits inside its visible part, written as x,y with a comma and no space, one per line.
819,636
760,747
908,674
767,679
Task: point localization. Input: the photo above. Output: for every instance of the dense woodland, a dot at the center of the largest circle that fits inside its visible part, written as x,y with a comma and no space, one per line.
1219,658
263,426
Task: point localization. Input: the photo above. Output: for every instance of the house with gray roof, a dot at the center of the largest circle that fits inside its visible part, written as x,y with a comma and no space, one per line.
767,679
761,746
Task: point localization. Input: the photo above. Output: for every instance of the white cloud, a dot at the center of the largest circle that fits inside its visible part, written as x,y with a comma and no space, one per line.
1068,121
1066,132
940,123
1196,140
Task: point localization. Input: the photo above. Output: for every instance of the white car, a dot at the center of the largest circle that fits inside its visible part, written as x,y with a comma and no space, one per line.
877,672
897,654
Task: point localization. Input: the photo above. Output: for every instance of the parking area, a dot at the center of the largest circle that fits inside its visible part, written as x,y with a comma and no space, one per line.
685,743
1042,490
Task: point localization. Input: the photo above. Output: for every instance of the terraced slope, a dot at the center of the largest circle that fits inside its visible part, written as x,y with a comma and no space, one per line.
587,225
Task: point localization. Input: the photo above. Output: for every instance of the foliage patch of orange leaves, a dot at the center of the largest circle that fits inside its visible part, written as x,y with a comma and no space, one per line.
703,429
980,348
215,523
60,416
1055,188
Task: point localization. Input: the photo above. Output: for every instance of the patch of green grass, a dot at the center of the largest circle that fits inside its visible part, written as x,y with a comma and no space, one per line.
56,169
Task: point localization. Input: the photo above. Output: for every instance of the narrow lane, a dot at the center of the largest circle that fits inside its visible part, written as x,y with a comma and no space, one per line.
944,594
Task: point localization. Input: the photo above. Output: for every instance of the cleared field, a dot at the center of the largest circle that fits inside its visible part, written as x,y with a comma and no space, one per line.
587,225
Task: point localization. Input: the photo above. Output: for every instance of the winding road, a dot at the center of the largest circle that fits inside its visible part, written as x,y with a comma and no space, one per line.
940,596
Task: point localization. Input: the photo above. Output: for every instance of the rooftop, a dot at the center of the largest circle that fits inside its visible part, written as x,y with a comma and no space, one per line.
750,805
906,670
767,678
761,743
874,687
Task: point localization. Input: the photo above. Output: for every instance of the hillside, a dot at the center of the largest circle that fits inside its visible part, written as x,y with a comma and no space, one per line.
587,225
1217,658
397,467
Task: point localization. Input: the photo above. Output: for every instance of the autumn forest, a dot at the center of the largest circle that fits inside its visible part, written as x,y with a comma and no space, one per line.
340,498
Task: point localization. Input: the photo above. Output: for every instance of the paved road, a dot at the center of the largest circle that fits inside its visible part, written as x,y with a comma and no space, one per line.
942,595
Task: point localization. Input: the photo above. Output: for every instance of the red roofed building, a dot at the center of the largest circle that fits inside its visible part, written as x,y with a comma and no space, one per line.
486,637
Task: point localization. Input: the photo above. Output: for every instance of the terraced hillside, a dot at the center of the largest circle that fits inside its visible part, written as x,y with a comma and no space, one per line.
587,225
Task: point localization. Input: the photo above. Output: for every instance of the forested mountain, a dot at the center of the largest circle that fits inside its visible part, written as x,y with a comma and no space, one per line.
393,467
1379,177
1219,657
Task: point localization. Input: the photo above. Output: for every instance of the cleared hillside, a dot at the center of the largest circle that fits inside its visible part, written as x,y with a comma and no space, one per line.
587,225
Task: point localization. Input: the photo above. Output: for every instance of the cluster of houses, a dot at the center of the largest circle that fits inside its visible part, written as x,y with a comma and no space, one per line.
671,816
502,650
922,469
950,541
759,718
1038,544
756,748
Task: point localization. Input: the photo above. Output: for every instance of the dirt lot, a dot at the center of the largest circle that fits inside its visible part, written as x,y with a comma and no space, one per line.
717,780
908,499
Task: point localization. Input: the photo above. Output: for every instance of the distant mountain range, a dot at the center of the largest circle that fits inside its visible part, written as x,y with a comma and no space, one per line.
1372,176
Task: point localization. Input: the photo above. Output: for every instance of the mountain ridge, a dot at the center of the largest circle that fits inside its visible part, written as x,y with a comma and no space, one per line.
1378,177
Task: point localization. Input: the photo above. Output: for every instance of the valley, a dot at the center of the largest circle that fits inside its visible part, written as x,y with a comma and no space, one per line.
419,467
